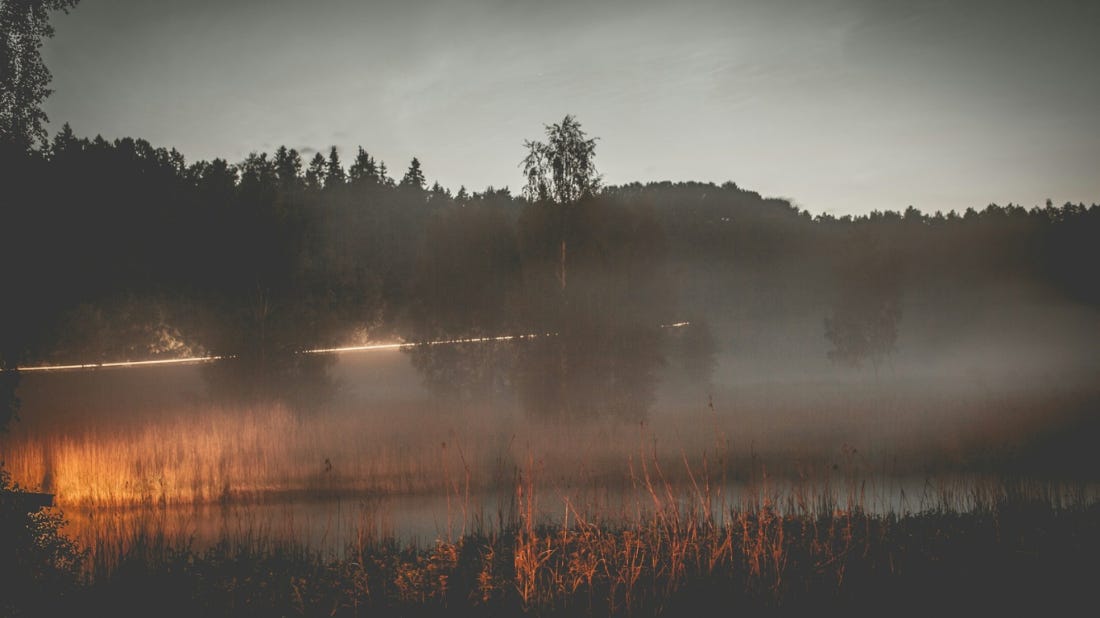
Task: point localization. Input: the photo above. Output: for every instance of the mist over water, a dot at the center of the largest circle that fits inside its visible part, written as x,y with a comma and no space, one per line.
592,345
305,380
955,404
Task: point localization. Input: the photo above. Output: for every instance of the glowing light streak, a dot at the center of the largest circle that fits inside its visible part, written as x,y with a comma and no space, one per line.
116,364
372,347
413,344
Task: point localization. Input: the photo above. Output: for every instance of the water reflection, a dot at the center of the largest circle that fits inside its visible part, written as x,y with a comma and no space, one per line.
333,524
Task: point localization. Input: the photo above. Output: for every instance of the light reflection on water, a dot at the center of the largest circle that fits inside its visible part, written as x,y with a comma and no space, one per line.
333,524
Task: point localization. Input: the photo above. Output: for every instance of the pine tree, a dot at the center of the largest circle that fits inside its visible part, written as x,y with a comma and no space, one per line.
288,168
414,178
334,171
316,173
383,175
63,142
364,171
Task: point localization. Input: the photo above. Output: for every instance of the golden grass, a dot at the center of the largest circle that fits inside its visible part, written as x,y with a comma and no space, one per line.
208,455
678,526
213,455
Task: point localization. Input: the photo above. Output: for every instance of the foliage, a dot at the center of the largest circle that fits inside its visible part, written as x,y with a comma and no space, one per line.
414,177
40,566
24,81
561,170
24,78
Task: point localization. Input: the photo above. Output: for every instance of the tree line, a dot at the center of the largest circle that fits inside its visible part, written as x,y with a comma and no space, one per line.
118,249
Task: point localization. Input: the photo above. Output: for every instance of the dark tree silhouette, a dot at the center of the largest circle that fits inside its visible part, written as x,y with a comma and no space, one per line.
24,86
562,169
334,171
315,174
24,78
413,178
594,281
561,172
38,563
260,260
288,169
364,170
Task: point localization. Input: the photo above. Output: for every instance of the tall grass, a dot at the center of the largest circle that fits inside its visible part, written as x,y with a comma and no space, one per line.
125,449
777,551
215,455
212,454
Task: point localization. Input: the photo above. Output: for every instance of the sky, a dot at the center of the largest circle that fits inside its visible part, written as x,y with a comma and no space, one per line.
841,106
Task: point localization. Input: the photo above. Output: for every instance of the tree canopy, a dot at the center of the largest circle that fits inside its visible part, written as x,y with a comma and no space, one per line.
562,169
24,78
139,253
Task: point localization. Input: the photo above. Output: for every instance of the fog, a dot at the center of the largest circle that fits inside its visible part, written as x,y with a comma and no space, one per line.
1006,386
595,341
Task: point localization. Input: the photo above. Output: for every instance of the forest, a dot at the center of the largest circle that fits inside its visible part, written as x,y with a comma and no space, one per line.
120,250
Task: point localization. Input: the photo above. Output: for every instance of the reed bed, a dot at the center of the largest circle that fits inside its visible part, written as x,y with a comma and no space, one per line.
215,455
681,515
1012,545
211,454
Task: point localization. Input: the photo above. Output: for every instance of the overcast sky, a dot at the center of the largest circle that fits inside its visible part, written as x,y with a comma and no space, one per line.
843,106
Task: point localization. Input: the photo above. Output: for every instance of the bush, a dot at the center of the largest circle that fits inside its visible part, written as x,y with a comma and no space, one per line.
39,566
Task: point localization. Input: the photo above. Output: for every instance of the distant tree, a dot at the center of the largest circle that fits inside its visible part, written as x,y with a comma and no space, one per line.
24,78
259,174
288,168
562,169
414,178
217,178
606,314
64,142
560,172
438,195
334,171
364,170
383,175
315,174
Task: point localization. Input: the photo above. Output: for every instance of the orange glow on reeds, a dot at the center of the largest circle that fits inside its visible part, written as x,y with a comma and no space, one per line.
215,454
197,454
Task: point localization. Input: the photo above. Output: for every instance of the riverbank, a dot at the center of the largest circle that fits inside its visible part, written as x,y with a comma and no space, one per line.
1014,553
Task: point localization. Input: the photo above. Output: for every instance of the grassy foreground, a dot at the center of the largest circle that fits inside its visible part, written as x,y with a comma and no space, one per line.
1018,551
